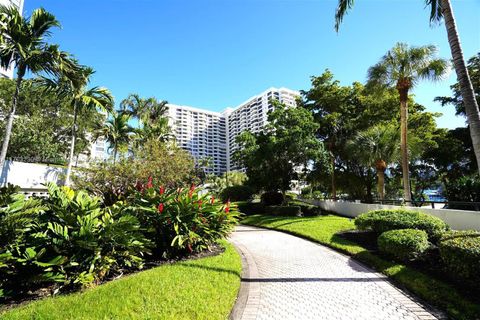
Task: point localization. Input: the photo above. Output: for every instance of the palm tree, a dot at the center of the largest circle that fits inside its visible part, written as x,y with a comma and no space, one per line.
22,44
74,87
442,9
402,68
152,117
377,146
116,131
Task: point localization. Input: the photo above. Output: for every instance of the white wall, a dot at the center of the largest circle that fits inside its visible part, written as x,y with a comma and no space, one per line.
30,175
456,219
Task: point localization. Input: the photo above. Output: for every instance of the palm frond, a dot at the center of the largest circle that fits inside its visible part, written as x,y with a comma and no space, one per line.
41,21
342,9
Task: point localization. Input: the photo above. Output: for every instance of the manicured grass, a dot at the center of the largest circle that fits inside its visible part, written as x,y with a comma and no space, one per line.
323,230
197,289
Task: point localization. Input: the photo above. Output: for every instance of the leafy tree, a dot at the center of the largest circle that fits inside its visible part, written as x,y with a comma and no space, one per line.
73,86
22,44
227,179
402,68
377,146
473,67
116,131
272,156
442,10
342,111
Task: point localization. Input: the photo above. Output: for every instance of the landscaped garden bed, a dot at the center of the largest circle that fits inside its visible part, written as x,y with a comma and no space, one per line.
73,242
338,233
204,288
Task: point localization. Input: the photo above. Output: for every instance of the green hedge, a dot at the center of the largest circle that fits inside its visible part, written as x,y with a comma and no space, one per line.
283,210
251,208
237,193
404,244
460,252
384,220
308,210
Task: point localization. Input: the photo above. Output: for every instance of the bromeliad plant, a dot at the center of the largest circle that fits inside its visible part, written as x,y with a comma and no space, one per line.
181,220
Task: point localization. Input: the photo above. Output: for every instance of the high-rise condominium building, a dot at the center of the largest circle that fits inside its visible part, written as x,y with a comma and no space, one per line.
19,4
207,134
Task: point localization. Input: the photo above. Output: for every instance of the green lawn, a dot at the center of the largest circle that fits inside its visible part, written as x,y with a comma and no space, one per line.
198,289
323,230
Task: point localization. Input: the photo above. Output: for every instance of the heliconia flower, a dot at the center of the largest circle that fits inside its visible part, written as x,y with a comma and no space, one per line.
150,182
162,190
160,207
227,208
190,193
192,187
212,200
189,247
200,204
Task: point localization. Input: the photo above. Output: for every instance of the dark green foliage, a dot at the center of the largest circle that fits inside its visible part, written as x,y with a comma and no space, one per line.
283,210
6,192
464,189
380,221
250,208
272,198
460,252
68,239
403,244
308,210
237,193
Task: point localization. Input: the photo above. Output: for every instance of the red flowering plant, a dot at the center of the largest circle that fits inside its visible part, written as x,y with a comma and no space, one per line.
182,219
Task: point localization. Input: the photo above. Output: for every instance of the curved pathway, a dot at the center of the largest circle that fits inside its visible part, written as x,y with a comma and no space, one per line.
286,277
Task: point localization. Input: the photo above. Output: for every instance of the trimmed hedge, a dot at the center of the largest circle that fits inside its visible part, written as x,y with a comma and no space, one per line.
308,210
251,208
460,252
404,244
237,193
272,198
385,220
283,210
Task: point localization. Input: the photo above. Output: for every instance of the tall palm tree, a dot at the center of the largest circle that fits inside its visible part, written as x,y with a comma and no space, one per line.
402,68
442,10
116,131
22,44
152,117
377,146
74,87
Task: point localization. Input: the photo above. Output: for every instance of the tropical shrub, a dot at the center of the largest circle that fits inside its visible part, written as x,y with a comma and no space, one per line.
181,220
167,165
68,239
308,210
237,193
272,198
403,244
380,221
460,252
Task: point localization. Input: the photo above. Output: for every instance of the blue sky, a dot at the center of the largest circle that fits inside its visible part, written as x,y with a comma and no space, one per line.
217,53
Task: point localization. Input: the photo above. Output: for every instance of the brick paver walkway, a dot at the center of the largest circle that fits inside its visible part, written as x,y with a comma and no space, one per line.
286,277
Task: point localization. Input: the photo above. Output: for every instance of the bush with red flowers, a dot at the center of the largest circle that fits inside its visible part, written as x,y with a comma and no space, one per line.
181,220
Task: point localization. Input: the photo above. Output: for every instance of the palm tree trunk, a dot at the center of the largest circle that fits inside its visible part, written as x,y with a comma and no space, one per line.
381,183
466,88
8,128
403,145
114,153
72,145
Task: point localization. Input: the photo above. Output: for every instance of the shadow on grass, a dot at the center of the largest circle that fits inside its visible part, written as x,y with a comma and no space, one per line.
207,268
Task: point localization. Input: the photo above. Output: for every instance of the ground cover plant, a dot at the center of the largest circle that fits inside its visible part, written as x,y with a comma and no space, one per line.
326,230
194,289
